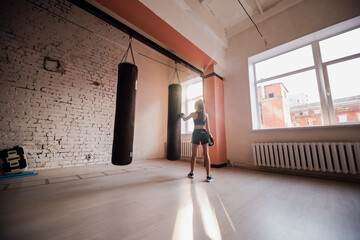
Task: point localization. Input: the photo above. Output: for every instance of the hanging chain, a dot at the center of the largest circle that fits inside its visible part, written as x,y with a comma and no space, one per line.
177,75
127,51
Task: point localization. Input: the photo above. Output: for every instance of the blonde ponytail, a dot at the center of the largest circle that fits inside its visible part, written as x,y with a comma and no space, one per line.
200,105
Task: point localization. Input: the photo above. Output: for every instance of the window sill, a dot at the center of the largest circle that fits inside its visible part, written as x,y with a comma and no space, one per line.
350,125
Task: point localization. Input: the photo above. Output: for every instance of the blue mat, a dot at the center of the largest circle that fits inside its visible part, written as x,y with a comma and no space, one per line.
18,175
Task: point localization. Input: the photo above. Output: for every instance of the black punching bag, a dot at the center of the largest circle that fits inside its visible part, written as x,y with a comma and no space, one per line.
174,124
122,152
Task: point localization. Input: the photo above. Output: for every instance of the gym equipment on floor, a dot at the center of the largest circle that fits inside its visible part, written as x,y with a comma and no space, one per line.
13,160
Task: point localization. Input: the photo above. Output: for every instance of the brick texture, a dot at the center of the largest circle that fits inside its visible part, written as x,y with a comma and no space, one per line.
61,119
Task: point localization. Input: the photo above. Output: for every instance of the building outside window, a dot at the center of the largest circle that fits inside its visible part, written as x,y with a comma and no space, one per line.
311,85
192,91
309,122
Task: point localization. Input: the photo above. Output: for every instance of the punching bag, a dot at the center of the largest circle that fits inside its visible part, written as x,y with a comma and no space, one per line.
122,152
174,124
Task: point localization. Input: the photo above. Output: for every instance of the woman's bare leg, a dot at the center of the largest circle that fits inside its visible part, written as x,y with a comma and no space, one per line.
206,158
193,156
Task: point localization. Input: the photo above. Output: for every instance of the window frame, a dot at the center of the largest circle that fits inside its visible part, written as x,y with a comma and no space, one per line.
326,101
331,109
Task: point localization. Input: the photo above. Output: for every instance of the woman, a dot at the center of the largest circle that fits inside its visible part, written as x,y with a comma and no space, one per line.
200,136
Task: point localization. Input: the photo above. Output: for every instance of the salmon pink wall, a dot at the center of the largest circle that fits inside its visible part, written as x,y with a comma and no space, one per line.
214,107
139,15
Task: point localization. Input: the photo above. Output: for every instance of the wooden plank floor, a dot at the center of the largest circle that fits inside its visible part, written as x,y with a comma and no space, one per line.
153,199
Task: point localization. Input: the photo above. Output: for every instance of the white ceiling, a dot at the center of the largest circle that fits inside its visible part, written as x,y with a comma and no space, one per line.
228,12
232,17
210,23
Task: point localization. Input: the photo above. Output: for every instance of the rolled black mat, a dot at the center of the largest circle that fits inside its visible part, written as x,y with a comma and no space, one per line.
174,125
122,152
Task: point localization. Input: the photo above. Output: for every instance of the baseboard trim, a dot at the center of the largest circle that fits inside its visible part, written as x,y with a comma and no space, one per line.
325,175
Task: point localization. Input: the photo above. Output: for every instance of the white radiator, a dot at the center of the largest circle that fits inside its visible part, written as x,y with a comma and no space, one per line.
186,149
326,156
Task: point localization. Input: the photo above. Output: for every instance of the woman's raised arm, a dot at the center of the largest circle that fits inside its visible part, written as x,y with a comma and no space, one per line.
191,115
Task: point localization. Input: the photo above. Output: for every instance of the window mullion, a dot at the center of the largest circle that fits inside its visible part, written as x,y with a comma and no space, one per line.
343,59
285,74
323,86
328,95
257,100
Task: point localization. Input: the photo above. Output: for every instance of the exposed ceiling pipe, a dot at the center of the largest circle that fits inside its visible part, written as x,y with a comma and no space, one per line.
253,22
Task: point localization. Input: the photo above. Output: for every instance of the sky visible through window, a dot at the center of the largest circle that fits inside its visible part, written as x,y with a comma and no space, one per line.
194,90
342,45
291,61
344,77
190,94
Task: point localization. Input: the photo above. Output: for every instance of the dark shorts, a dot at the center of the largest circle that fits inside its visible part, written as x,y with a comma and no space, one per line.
200,136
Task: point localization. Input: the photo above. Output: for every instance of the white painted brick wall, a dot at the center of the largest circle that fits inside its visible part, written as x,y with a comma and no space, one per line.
58,119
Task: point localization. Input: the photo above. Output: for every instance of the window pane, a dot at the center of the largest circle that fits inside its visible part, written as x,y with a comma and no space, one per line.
190,126
292,101
291,61
342,118
341,45
344,79
191,106
194,90
183,95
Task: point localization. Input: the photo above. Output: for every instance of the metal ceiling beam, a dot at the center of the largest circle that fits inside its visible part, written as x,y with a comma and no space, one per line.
122,27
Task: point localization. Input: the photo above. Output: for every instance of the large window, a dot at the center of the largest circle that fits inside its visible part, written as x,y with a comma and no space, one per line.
314,84
192,91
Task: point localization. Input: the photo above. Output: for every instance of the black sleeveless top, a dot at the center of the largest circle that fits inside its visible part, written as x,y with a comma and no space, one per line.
200,119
